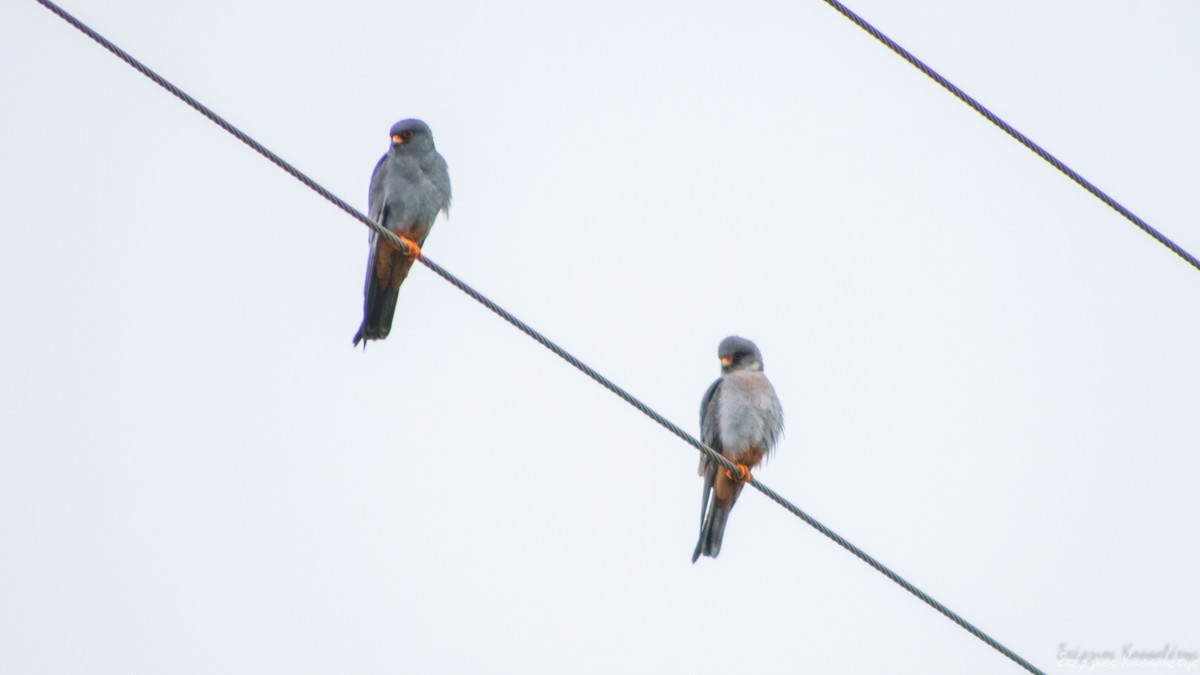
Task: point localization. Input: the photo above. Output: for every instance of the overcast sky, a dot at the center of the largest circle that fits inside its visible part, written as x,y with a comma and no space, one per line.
989,377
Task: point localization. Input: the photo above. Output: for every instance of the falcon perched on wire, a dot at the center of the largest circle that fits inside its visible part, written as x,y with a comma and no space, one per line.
409,187
740,417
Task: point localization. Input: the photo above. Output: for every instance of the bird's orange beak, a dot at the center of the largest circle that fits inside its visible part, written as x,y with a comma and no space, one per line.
726,361
396,139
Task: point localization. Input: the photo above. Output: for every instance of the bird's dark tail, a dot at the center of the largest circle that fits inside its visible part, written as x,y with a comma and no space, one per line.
384,276
711,531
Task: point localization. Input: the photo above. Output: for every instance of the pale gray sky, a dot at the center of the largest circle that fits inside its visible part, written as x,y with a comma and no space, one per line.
989,377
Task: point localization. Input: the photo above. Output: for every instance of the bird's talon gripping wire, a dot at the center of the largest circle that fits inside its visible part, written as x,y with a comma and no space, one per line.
743,473
412,252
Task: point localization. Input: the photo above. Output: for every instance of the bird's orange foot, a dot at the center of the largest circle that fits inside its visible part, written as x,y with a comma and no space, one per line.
413,252
743,473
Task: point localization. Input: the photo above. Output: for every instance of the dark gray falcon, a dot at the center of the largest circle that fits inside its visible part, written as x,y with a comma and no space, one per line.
740,417
409,187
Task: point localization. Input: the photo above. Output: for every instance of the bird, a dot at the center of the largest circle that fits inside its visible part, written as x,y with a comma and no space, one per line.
741,418
409,188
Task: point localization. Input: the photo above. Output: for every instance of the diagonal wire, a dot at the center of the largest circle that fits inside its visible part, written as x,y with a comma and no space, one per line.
1011,131
541,339
221,122
714,455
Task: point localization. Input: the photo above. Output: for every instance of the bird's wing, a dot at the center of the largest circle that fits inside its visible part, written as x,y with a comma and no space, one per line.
376,204
378,195
774,418
710,431
710,435
434,167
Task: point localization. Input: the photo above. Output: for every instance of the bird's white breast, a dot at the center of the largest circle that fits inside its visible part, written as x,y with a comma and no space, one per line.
750,413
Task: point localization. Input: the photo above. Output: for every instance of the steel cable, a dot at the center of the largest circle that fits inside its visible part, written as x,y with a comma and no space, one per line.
1011,131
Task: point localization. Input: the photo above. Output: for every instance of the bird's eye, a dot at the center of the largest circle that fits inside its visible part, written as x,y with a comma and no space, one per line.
406,134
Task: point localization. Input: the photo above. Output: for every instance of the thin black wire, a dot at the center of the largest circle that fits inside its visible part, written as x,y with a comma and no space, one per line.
1008,129
712,454
541,339
220,121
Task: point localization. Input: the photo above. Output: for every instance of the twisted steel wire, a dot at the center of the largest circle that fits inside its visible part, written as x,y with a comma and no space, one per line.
538,337
1011,131
221,122
714,455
